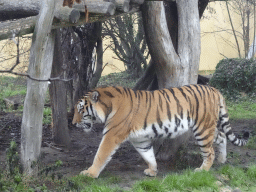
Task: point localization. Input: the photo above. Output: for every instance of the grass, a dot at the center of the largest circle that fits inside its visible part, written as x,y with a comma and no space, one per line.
47,116
11,86
188,180
118,79
244,109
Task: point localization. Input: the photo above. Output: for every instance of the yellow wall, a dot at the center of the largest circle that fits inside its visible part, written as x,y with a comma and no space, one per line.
216,42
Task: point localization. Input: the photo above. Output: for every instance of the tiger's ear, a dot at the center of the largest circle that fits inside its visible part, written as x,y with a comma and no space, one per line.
94,96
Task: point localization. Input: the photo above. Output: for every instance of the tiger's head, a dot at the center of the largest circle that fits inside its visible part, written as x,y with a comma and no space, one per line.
85,114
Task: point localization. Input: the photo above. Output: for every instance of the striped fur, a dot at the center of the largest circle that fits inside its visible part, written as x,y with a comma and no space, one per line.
141,116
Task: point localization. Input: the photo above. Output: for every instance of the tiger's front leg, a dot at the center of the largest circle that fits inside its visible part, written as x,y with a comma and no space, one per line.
145,149
108,146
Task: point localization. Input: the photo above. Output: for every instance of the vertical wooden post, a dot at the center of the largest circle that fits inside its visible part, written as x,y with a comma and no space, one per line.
40,64
58,94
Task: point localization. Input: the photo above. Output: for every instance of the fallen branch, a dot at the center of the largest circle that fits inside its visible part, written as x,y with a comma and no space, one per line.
36,79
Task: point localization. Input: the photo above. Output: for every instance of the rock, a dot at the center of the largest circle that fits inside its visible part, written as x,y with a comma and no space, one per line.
14,102
236,190
226,189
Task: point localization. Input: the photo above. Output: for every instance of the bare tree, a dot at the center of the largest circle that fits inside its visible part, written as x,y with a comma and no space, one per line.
244,9
127,41
79,45
173,36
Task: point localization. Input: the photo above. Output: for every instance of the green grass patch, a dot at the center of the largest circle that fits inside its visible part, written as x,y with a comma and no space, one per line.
187,181
47,116
243,109
251,143
84,183
244,178
118,79
11,86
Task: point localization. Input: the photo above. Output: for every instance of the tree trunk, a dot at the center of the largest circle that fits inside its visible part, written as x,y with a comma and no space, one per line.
176,56
40,64
58,94
88,36
99,60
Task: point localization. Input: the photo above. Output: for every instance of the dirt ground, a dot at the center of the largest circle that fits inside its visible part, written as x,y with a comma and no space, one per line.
126,163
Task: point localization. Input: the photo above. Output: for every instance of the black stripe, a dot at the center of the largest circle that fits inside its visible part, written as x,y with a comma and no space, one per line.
182,92
205,144
148,110
108,94
203,89
166,129
188,88
204,138
154,129
92,110
160,102
196,86
188,118
145,148
159,122
166,95
168,111
106,132
118,90
225,115
177,123
125,90
129,91
179,107
229,133
197,107
225,124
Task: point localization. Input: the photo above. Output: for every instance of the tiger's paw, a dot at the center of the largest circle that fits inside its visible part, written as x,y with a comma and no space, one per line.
150,172
198,169
89,174
222,159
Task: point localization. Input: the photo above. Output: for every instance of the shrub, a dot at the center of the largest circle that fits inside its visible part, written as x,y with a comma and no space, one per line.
234,76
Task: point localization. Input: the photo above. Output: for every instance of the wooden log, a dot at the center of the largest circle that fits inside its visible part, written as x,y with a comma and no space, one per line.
137,1
40,64
12,9
122,5
67,14
26,25
107,8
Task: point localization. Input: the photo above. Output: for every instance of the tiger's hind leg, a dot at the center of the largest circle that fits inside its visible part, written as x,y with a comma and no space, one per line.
145,149
208,158
205,142
221,141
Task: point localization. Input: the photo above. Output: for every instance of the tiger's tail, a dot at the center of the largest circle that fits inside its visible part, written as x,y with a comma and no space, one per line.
225,126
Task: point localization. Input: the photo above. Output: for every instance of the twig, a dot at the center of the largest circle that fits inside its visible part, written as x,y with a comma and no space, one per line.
6,125
53,147
36,79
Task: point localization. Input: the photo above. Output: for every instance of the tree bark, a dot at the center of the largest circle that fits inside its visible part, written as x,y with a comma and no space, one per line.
58,94
40,64
174,45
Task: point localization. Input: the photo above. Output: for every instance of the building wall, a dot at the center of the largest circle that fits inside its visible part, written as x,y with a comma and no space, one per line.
217,41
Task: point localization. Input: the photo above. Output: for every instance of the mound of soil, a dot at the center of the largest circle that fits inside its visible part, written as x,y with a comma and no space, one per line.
126,163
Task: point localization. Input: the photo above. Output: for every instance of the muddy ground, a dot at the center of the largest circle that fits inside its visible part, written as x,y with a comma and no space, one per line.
126,163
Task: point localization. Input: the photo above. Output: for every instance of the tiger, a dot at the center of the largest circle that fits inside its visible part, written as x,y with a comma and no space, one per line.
141,116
